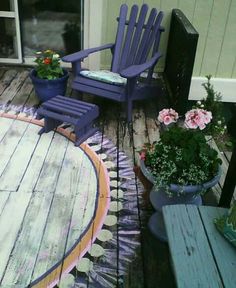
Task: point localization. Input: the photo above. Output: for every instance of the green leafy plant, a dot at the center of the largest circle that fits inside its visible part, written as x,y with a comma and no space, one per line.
217,128
48,65
212,102
182,156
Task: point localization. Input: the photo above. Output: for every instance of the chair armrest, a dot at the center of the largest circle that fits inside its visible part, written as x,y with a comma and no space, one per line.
84,53
135,70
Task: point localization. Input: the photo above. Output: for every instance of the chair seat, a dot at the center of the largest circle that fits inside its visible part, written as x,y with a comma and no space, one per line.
104,76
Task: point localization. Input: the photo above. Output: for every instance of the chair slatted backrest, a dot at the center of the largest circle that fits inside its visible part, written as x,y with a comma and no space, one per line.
136,39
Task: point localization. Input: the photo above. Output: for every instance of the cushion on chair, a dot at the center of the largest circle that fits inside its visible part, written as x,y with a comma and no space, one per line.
105,76
227,225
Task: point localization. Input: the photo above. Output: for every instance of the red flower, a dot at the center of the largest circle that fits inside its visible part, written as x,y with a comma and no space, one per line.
143,155
47,61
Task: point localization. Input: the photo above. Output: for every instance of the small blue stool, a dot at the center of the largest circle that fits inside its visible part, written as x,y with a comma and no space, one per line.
61,109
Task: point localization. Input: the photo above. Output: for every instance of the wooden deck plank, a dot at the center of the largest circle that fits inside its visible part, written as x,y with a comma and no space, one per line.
16,167
126,142
56,228
228,155
224,165
15,85
6,80
152,125
3,200
225,157
10,226
32,101
10,142
224,252
116,129
31,176
80,184
52,165
5,124
139,132
152,130
2,71
26,251
23,93
154,252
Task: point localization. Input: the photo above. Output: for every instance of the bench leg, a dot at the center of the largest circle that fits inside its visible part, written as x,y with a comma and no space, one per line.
84,133
41,131
49,125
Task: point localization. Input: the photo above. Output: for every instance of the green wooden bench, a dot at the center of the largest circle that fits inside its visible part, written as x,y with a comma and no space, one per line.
201,256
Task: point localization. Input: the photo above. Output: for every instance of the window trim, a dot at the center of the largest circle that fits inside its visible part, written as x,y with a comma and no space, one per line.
14,15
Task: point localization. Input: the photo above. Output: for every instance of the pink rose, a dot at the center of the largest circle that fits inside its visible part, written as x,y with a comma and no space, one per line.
197,118
168,116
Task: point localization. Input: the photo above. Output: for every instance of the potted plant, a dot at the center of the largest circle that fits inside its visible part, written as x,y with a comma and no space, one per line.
48,77
181,165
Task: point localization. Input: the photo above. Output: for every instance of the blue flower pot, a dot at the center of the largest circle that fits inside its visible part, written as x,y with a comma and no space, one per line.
189,194
46,89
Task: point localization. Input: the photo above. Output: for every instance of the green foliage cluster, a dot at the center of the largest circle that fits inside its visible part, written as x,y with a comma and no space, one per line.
48,65
181,156
212,102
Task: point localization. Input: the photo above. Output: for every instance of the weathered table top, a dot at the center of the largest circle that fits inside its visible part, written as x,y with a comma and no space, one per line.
53,199
201,256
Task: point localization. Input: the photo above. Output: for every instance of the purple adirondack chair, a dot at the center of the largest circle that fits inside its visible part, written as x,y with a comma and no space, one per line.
135,50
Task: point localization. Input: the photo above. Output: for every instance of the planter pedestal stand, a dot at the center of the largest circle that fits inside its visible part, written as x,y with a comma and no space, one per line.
159,199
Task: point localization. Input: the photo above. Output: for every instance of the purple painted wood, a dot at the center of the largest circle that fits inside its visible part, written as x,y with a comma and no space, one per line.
135,70
138,33
63,109
119,38
136,39
152,36
145,36
85,53
128,38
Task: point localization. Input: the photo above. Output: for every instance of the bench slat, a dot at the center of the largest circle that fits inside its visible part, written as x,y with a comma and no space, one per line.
67,103
56,116
63,110
193,262
75,102
224,252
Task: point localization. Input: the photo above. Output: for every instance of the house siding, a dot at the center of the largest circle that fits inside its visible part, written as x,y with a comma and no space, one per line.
215,20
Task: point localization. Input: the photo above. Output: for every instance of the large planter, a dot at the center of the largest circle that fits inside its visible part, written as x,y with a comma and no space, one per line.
179,195
47,89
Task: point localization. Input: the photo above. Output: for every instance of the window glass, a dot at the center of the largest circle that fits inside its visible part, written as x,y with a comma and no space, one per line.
8,43
50,24
6,5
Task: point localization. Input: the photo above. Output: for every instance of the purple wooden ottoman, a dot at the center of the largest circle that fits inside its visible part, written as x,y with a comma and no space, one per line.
61,109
